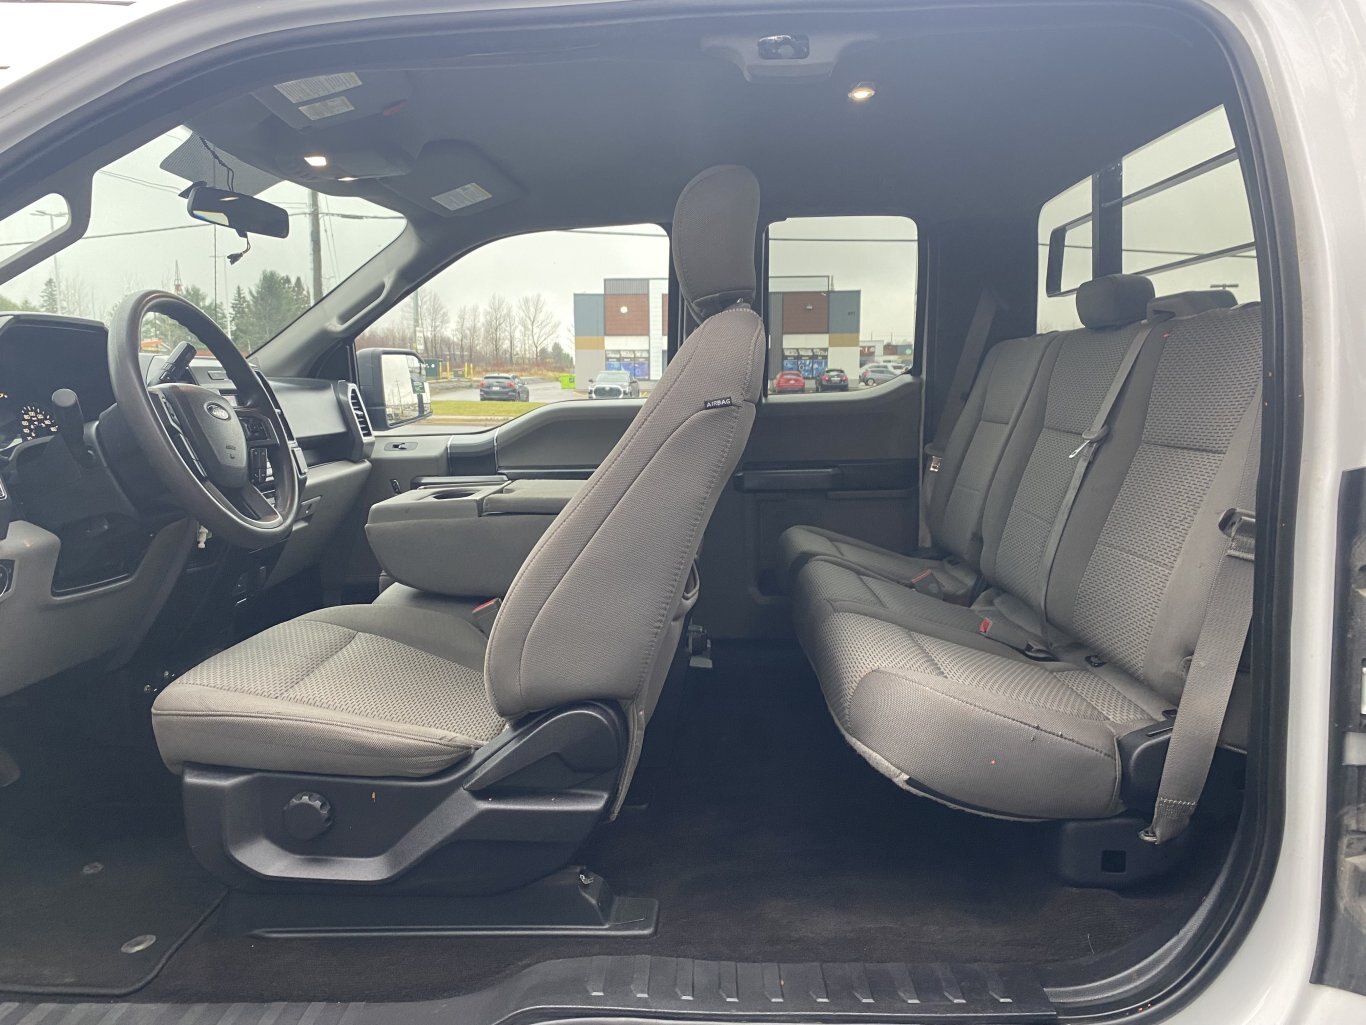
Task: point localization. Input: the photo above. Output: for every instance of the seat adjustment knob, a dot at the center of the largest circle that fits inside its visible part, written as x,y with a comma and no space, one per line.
307,815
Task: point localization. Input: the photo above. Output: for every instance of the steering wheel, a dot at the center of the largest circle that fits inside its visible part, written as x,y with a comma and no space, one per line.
201,443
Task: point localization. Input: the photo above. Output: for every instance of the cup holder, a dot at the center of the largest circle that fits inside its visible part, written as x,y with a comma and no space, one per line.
448,493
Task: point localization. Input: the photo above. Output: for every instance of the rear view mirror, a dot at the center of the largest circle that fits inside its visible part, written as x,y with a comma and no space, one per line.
393,386
244,214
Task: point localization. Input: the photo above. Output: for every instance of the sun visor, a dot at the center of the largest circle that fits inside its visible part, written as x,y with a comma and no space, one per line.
326,100
455,179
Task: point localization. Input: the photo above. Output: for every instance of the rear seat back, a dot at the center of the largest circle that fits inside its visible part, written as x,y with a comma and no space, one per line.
979,721
1028,493
973,454
1135,566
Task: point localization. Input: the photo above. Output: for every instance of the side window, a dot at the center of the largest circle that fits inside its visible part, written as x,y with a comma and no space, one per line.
1183,221
841,302
554,316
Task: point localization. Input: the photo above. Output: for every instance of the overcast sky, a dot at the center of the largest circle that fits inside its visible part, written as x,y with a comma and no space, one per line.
31,34
140,235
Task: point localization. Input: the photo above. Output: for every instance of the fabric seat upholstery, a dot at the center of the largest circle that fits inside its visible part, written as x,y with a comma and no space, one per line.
966,718
983,729
978,468
364,689
405,688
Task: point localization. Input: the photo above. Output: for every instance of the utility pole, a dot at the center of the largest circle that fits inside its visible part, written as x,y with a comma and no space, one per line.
315,244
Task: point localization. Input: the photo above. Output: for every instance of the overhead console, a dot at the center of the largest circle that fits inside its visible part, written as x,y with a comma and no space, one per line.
465,537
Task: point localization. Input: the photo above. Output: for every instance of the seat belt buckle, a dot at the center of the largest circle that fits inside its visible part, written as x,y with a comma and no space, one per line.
1240,527
935,463
1090,441
926,583
483,615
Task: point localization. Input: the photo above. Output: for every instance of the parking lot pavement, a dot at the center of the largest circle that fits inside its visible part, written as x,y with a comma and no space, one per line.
541,391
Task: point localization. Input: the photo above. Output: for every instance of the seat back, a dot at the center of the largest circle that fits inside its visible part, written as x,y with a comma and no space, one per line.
598,606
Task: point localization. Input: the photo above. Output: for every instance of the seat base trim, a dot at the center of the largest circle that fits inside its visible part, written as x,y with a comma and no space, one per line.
515,812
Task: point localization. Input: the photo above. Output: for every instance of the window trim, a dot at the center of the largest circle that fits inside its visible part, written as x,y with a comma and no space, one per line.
1107,239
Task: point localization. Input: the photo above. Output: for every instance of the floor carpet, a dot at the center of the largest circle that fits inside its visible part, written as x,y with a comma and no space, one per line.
765,839
97,886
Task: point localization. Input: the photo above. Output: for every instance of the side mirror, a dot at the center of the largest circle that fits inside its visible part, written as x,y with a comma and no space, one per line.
393,386
246,215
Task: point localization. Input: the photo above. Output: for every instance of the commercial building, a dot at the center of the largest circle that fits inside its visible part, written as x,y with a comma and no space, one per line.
812,325
624,327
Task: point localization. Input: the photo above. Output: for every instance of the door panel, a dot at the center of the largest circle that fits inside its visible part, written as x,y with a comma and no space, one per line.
561,437
847,463
564,439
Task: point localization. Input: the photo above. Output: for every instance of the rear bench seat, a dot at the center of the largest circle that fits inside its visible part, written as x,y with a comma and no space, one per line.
1003,403
1014,705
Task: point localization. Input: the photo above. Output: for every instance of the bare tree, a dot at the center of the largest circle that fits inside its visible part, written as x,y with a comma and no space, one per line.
497,329
383,335
467,333
536,326
431,321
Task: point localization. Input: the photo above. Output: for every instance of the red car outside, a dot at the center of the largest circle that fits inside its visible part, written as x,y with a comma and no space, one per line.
787,382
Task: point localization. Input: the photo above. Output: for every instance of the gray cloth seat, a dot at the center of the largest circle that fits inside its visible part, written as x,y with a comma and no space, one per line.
365,690
410,687
964,716
975,725
1022,499
997,410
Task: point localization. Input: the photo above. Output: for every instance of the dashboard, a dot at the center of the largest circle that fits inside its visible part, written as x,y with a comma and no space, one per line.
40,353
92,545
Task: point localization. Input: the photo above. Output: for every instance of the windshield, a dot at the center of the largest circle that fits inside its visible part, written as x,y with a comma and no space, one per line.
140,236
614,377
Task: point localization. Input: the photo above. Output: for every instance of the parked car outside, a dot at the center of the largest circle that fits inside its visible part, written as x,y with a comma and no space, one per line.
878,373
504,388
615,384
832,380
788,382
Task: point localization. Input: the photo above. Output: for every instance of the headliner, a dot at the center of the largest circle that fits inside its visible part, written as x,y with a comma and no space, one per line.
978,113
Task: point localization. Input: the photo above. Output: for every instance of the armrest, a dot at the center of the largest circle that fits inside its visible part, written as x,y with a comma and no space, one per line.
534,496
452,540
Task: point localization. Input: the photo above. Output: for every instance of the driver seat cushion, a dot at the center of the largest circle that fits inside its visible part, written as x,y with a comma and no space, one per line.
358,690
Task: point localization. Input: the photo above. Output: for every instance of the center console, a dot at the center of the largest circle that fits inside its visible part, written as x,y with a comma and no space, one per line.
464,537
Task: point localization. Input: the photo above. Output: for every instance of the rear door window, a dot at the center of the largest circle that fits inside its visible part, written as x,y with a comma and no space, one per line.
841,296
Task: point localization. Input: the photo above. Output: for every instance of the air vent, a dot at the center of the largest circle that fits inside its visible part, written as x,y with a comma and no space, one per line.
358,408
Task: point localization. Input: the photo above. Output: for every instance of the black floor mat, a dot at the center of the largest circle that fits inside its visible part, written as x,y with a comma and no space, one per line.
70,909
92,852
766,839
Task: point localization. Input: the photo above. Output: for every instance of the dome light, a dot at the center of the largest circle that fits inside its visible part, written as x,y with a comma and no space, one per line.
863,92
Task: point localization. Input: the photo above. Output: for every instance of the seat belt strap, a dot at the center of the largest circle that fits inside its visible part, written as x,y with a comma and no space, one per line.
1091,441
1214,666
974,344
964,373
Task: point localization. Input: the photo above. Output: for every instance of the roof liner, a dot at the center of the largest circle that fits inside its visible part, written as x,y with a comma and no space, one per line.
972,118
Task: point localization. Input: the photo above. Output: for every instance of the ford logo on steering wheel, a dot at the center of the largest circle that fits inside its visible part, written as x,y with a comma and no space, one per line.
217,410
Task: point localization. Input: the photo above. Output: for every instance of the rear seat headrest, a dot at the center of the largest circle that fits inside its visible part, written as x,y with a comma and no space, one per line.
1188,304
715,224
1114,300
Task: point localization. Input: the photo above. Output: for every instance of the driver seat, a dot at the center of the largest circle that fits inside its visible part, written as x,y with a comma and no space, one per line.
354,704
